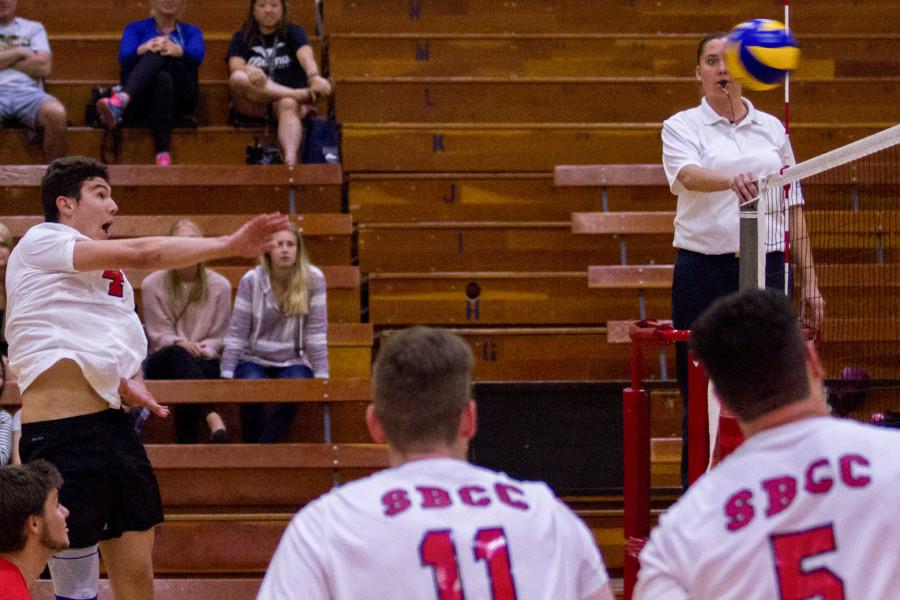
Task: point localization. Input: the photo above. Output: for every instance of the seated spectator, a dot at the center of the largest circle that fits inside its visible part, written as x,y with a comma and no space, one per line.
24,63
15,458
160,58
6,246
6,437
273,67
278,330
32,524
185,314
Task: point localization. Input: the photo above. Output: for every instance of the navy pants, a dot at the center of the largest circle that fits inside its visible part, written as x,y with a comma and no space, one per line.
269,423
699,279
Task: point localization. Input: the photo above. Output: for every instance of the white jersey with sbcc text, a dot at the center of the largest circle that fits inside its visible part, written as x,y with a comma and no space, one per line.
436,529
55,312
805,510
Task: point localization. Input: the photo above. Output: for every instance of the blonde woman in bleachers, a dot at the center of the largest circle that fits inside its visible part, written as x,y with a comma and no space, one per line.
273,66
186,312
278,330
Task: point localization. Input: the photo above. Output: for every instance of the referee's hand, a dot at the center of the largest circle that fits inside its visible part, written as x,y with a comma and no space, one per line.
133,394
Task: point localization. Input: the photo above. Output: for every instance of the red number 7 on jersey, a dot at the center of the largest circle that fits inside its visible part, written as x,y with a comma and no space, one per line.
790,549
116,283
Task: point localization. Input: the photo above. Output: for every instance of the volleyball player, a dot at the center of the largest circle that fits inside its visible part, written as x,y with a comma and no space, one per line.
77,346
802,509
433,526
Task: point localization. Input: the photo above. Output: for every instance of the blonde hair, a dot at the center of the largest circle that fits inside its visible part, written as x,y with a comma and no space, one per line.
294,300
6,237
173,279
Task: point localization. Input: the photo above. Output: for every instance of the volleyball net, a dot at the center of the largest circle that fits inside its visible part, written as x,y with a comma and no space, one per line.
837,218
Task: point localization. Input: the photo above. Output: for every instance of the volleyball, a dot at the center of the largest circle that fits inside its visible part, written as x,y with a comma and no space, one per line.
760,52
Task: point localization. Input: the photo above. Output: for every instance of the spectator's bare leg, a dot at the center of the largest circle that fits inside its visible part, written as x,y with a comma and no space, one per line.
129,563
290,129
240,85
52,119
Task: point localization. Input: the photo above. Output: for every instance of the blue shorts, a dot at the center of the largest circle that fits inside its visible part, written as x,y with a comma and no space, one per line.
23,105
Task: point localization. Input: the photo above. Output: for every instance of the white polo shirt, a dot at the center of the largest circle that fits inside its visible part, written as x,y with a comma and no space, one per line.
55,312
436,528
707,222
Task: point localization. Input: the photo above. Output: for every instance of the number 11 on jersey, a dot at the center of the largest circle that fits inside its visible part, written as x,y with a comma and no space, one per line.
438,551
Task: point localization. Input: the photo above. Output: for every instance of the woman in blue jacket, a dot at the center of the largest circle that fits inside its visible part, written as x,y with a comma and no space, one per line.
160,57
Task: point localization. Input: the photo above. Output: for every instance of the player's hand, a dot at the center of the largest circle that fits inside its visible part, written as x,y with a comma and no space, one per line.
254,237
744,185
170,48
256,76
320,85
133,394
812,311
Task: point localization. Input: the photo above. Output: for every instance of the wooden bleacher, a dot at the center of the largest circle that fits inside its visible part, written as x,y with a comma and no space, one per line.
530,147
327,236
111,16
500,298
584,99
563,16
216,189
222,588
490,246
416,197
588,54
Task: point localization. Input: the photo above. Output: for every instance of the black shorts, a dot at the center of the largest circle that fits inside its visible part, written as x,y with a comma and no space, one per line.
108,483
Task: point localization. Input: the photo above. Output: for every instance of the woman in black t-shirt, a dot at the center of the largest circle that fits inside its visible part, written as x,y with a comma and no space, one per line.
272,63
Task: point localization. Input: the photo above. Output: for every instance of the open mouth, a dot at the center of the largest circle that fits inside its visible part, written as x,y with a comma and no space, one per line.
105,227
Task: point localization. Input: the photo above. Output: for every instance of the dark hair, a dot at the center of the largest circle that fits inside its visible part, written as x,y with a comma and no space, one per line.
754,352
422,380
713,35
64,177
23,493
250,28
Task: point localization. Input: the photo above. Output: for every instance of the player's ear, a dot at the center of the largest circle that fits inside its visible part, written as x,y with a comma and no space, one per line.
374,425
64,205
468,423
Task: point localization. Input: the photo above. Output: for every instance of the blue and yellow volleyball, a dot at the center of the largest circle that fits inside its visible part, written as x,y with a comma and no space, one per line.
760,52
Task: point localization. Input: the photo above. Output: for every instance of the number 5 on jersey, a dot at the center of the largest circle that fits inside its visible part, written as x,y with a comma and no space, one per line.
438,552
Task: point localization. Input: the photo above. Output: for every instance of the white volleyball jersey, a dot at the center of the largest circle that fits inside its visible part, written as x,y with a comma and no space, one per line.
55,312
436,529
806,510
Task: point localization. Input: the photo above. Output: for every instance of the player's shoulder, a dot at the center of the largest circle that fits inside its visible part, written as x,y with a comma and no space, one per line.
43,232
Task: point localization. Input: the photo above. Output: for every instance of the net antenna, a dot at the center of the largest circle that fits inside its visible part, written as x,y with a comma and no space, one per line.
836,217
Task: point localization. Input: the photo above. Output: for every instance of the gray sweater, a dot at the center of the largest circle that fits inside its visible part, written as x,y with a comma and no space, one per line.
260,333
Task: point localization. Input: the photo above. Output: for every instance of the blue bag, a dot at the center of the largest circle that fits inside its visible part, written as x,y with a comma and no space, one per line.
321,141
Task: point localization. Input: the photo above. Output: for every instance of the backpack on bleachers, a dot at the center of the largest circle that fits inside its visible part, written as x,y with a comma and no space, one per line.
321,141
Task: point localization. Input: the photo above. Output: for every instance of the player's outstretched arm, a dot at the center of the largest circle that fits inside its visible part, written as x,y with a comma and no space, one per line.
250,240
